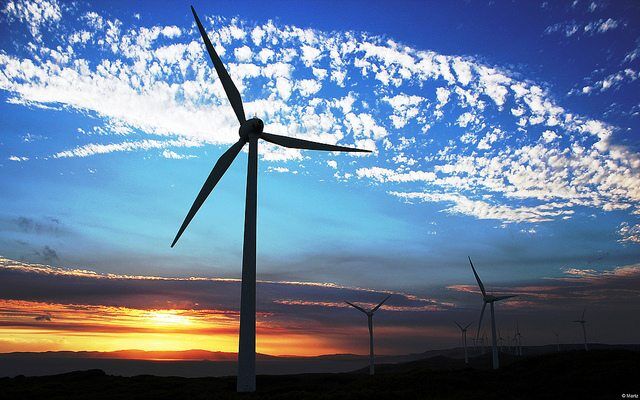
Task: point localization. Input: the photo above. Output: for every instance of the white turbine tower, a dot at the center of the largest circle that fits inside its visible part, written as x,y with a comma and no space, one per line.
489,299
369,314
582,322
464,339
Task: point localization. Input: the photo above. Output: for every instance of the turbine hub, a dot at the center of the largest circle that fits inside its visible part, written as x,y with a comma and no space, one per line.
251,126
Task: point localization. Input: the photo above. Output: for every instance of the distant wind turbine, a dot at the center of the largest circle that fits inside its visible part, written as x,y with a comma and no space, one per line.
582,322
489,299
500,341
250,131
518,338
464,339
370,321
557,335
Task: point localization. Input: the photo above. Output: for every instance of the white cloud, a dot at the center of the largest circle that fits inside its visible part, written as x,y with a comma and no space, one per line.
175,156
310,55
35,14
308,87
387,175
549,136
170,93
629,233
171,32
591,28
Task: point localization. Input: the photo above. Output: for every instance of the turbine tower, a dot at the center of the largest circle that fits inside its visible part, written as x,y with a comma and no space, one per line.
557,335
464,340
518,337
489,299
370,320
250,131
582,322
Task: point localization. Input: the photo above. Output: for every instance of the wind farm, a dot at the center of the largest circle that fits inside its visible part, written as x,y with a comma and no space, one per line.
371,151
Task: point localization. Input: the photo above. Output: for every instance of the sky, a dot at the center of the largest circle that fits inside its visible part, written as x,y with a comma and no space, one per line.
506,131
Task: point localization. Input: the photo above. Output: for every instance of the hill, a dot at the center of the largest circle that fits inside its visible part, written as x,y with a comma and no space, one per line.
599,374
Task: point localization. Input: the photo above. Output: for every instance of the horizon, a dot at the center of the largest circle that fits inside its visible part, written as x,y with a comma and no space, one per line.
522,154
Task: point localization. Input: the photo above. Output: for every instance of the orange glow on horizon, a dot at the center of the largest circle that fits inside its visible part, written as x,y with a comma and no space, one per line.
37,326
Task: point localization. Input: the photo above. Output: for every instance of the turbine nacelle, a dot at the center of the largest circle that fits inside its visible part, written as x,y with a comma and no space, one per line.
251,126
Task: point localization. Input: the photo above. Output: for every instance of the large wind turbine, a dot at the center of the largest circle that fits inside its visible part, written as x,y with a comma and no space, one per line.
464,339
489,299
370,320
582,322
250,131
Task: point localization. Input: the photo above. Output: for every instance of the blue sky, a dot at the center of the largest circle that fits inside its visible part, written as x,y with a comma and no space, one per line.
506,131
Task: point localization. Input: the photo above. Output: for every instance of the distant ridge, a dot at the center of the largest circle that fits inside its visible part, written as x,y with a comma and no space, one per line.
179,355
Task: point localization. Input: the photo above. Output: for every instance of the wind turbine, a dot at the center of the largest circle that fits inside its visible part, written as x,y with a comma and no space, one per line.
518,337
500,341
250,131
464,339
582,322
489,299
483,341
557,335
370,320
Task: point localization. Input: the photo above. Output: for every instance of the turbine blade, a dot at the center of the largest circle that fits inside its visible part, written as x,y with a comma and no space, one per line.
296,143
228,85
484,293
459,326
379,305
468,325
355,306
498,298
480,321
218,170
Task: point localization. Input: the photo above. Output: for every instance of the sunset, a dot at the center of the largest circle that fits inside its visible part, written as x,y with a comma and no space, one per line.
362,192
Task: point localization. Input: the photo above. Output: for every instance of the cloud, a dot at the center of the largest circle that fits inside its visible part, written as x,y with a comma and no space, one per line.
49,255
590,28
34,226
629,233
35,14
175,156
481,141
611,81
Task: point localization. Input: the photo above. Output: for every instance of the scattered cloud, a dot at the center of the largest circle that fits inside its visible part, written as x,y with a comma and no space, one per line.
444,129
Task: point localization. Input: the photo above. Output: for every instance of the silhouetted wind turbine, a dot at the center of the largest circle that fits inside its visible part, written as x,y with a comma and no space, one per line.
500,341
582,322
464,339
250,131
370,321
557,335
489,299
518,337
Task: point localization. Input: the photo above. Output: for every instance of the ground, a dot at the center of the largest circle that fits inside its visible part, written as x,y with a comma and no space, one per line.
600,374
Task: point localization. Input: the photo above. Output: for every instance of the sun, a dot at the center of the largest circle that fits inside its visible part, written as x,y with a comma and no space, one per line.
168,318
